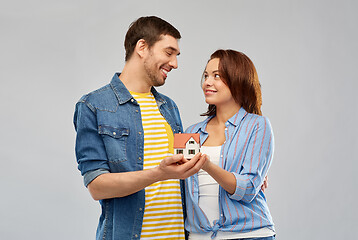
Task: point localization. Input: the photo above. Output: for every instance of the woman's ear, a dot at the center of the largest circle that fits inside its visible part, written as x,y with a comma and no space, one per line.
141,47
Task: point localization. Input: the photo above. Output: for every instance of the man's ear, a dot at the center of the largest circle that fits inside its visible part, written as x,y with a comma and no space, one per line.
141,47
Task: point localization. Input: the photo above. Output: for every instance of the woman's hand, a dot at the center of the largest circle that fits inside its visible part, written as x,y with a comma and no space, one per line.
264,184
206,164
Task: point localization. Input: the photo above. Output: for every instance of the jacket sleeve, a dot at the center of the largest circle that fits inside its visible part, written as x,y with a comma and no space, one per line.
256,162
90,151
177,117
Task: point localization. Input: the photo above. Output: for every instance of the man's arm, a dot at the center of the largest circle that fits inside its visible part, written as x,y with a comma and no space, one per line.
112,185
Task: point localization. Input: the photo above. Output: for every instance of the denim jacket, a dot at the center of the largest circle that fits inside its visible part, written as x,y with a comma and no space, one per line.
110,137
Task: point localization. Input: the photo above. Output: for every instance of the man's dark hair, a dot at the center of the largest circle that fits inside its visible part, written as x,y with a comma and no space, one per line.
150,29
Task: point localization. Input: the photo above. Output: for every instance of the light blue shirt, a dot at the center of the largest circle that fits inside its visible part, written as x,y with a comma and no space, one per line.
247,153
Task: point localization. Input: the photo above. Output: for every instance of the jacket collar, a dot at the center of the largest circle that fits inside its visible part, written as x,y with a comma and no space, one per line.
123,95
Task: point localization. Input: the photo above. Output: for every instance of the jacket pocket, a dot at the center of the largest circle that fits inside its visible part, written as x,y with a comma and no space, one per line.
115,141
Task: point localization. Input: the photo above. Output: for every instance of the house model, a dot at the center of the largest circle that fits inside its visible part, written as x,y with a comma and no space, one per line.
187,144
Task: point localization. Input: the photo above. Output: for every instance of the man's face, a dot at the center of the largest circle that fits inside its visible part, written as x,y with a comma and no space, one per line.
161,59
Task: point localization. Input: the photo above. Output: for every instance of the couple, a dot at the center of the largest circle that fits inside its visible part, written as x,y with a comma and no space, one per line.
124,147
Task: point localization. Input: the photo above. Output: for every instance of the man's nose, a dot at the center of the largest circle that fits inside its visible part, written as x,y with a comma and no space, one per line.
174,63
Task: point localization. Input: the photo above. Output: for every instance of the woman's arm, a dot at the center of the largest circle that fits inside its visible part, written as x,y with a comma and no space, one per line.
224,178
244,184
251,173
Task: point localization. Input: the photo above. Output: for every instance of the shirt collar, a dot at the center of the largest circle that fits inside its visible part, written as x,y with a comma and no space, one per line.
234,120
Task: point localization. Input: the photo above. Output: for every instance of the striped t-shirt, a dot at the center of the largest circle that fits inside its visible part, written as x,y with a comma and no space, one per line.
163,214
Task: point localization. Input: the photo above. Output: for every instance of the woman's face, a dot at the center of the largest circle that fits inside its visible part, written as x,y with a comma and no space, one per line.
215,90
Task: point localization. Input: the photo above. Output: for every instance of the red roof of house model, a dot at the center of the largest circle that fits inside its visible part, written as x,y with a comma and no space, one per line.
180,139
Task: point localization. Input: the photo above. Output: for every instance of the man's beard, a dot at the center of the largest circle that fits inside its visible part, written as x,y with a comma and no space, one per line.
153,75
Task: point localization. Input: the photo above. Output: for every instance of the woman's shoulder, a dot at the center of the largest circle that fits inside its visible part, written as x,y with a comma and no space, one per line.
259,121
258,118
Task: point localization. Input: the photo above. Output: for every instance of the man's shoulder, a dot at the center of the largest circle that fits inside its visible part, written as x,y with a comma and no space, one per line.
95,93
102,98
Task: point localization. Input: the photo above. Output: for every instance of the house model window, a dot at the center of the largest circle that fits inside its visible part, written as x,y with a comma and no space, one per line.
187,144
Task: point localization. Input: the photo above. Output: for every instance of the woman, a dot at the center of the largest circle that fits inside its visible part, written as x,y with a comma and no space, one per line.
224,200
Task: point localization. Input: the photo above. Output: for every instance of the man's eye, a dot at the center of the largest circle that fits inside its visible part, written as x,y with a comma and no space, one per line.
169,53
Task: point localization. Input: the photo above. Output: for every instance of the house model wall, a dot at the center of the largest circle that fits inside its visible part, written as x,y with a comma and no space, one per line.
187,144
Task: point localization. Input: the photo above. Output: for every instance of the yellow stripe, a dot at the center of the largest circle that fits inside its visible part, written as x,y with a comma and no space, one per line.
142,100
153,204
162,209
164,198
151,147
151,165
159,142
166,193
166,223
163,219
171,181
164,228
153,138
145,112
176,182
155,153
168,187
154,124
165,234
161,214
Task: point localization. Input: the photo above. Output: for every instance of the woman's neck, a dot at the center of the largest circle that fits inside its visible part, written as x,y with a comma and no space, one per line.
224,113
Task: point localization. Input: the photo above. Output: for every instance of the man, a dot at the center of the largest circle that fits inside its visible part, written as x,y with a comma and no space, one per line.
125,139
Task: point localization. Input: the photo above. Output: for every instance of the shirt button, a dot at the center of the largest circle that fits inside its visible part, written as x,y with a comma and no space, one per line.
140,158
114,133
226,129
140,209
136,111
132,100
139,132
136,235
221,155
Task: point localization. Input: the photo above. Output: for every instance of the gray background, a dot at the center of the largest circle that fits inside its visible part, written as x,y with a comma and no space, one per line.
52,52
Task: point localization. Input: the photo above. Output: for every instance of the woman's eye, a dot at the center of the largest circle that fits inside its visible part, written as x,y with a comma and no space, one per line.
217,76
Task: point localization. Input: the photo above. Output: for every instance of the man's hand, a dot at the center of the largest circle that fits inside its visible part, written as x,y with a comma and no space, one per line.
264,184
177,167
